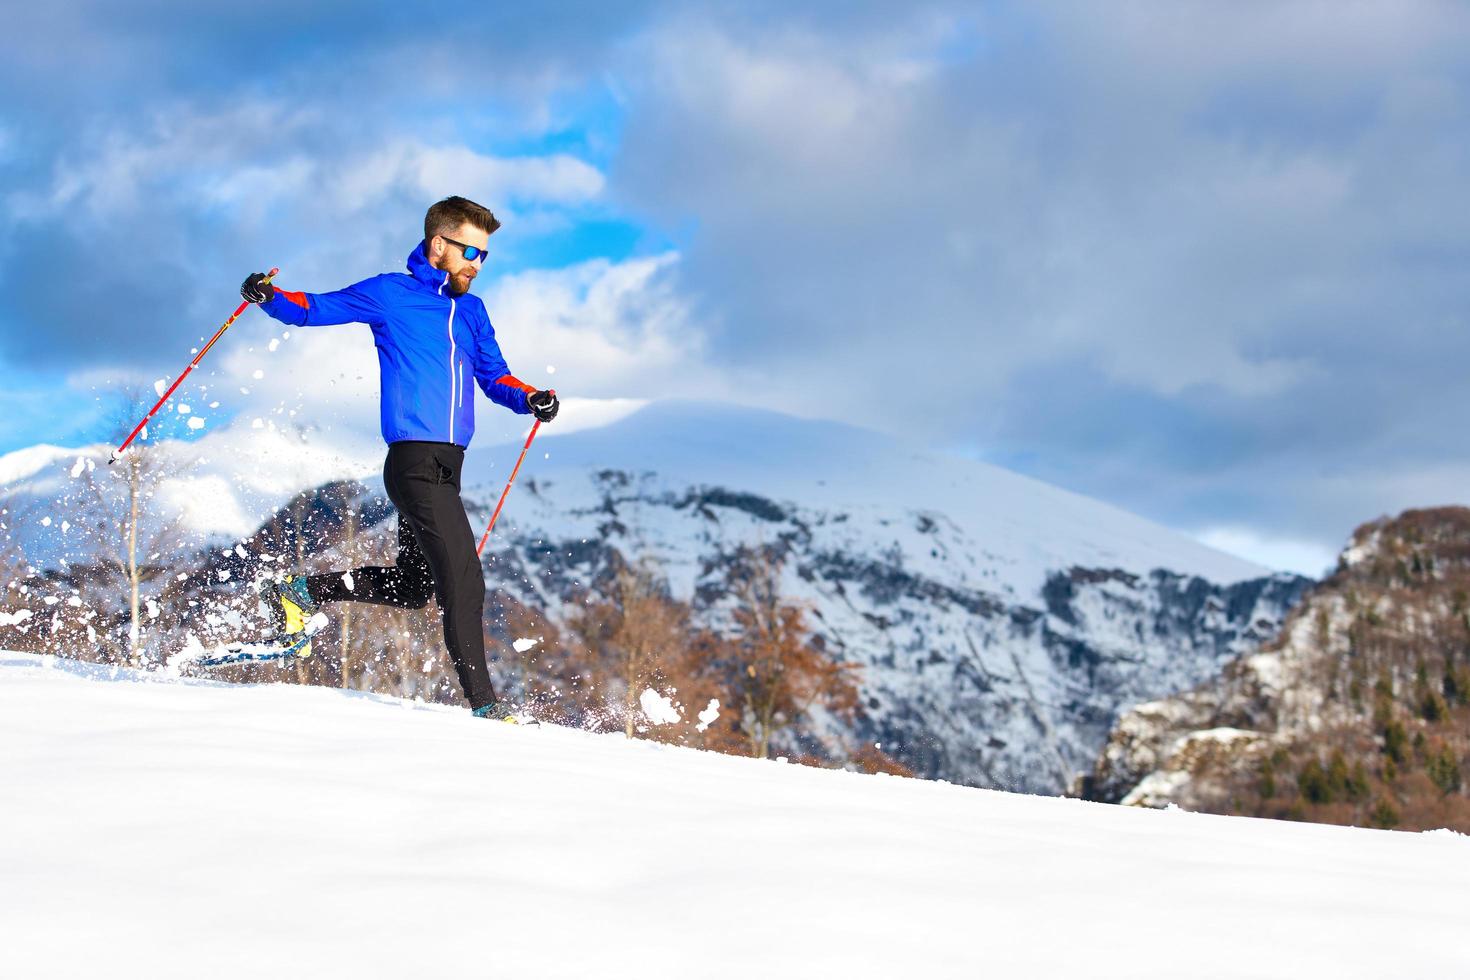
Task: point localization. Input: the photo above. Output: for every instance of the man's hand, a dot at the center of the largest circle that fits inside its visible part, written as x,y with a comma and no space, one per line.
543,405
256,289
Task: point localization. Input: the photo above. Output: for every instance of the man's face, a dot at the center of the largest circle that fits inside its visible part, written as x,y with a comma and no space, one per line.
450,258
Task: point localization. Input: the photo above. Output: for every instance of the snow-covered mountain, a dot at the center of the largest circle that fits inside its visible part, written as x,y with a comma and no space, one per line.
178,829
1002,624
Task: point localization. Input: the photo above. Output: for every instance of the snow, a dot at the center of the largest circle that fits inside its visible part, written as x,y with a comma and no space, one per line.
335,831
1022,528
195,422
658,708
25,463
524,643
709,715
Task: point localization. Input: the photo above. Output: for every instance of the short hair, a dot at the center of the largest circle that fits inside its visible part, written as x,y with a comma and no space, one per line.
450,213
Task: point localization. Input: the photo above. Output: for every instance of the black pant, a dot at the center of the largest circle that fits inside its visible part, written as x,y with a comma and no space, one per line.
436,556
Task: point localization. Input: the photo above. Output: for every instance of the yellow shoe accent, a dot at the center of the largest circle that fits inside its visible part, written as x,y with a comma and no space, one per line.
295,623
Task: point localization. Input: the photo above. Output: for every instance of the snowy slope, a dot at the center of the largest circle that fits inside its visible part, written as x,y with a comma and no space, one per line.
164,829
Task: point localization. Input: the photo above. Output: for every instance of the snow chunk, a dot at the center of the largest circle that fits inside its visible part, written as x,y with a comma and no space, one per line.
1446,832
240,550
195,422
257,424
80,465
159,387
45,522
15,618
224,574
347,581
257,374
524,643
275,342
183,408
153,609
658,709
709,715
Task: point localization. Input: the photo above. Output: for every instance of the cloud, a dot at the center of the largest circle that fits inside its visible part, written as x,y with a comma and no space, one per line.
1201,260
1307,558
610,329
1188,258
150,232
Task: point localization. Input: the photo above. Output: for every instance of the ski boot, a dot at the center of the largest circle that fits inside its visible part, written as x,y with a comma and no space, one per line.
291,609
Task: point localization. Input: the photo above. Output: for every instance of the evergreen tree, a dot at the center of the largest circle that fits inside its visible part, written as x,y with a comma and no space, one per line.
1444,770
1384,815
1313,783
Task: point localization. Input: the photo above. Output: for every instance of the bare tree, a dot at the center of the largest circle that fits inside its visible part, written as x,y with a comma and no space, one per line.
17,620
632,637
779,672
125,522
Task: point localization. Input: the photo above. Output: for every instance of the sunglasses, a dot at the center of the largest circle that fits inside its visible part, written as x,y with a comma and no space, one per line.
471,253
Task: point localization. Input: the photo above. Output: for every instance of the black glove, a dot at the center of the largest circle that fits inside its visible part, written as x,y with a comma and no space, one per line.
543,405
255,289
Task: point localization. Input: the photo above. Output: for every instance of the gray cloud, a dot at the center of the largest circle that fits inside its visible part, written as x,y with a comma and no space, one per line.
1204,260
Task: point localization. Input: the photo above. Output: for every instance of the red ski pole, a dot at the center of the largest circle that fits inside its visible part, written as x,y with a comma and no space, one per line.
508,484
180,380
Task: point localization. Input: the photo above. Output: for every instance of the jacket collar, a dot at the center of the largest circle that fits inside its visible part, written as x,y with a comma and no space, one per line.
420,269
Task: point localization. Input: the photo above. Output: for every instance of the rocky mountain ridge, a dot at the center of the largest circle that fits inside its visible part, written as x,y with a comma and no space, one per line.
1356,713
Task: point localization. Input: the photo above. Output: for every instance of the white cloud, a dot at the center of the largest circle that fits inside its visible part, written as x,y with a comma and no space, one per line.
1307,558
612,329
432,172
260,154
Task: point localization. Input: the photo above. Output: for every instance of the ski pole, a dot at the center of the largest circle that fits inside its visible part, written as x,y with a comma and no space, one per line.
180,380
508,484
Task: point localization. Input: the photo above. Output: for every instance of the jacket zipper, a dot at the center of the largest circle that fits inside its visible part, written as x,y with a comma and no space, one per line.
453,375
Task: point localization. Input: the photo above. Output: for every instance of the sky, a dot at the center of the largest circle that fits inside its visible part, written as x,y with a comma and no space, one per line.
1205,261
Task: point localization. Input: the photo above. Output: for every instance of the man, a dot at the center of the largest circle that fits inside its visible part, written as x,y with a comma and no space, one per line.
433,340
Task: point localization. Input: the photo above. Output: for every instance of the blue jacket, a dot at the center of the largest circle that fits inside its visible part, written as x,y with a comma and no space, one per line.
430,344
